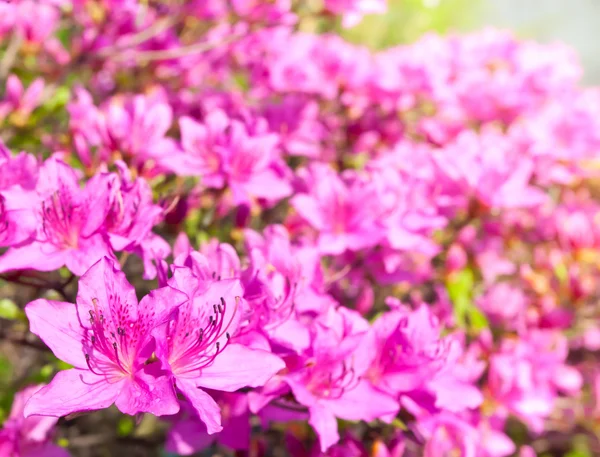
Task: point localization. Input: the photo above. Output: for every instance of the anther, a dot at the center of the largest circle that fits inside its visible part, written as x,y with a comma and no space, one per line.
215,309
227,335
218,346
121,331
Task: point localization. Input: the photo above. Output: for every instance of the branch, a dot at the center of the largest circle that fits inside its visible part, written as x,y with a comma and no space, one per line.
10,55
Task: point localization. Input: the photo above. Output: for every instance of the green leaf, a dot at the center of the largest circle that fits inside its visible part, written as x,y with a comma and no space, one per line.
9,310
460,286
125,426
581,447
63,442
477,319
60,365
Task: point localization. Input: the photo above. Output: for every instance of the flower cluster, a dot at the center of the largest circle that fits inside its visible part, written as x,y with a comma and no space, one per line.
276,239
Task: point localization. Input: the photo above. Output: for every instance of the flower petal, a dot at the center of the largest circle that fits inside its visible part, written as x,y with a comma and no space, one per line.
57,324
238,366
325,424
102,288
149,392
364,402
73,391
37,256
208,410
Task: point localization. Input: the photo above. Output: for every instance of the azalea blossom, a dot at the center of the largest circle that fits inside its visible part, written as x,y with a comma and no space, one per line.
106,336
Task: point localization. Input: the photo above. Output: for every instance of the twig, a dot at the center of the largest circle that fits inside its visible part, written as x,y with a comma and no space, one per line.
10,55
175,53
141,37
290,406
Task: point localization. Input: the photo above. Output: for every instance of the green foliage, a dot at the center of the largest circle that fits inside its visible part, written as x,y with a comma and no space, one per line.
407,20
10,311
125,426
6,394
460,290
581,447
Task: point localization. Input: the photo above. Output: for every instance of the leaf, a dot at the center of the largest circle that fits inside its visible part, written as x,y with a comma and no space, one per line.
9,310
459,286
125,426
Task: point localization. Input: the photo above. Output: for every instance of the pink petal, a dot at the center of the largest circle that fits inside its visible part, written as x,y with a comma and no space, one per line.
90,251
36,256
208,410
325,424
162,302
238,366
101,281
364,402
188,437
49,450
57,324
73,391
309,209
148,393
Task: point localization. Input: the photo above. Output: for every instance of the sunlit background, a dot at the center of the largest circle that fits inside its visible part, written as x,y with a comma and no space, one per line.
575,22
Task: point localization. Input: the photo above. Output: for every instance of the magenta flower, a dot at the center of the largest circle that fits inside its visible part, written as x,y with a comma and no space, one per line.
28,437
195,345
526,375
405,349
354,10
20,102
69,225
106,336
344,211
189,435
487,167
224,151
131,217
132,127
328,379
18,178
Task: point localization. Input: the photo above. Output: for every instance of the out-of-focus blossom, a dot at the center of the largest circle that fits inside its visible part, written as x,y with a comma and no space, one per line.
31,436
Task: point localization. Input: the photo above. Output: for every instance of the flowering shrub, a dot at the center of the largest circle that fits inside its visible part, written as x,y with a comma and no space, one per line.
267,241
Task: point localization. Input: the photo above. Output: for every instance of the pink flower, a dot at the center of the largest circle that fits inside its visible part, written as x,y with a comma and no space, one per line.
132,126
131,217
525,376
106,336
405,350
224,151
448,434
188,434
487,166
354,10
20,102
195,345
328,379
18,178
28,437
343,209
69,225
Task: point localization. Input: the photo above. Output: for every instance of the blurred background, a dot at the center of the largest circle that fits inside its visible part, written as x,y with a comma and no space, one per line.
574,22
